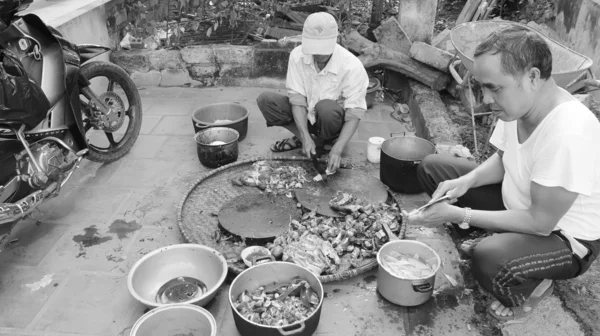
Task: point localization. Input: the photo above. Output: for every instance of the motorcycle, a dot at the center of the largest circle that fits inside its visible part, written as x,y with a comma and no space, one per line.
50,115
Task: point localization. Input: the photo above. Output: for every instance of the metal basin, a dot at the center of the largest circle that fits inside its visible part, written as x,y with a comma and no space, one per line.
182,273
176,319
232,115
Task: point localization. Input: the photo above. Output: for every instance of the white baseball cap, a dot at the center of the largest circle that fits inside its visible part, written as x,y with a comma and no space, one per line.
319,34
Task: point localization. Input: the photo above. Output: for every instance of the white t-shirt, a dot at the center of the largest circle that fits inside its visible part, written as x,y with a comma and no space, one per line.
562,151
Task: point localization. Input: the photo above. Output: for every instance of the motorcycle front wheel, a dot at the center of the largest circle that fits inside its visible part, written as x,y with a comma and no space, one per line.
113,86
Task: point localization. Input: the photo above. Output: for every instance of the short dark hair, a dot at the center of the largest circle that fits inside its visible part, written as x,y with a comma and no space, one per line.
521,49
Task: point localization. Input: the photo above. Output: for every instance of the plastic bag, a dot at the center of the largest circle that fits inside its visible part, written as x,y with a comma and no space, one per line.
22,100
311,252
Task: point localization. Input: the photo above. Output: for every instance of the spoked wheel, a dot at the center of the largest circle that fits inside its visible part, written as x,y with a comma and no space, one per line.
110,136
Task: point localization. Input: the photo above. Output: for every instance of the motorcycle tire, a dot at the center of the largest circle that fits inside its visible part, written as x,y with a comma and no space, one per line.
119,76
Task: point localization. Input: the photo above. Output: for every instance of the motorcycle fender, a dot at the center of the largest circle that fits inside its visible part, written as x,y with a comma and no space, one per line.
76,128
89,51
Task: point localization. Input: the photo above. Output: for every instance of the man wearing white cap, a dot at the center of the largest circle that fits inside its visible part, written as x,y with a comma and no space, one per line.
327,86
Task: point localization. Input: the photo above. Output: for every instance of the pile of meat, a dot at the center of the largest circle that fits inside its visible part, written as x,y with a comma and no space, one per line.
279,181
327,245
278,305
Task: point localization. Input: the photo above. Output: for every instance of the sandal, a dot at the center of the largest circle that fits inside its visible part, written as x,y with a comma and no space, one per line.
286,145
519,312
468,245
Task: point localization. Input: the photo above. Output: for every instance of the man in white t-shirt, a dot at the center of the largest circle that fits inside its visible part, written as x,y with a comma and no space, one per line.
540,193
327,87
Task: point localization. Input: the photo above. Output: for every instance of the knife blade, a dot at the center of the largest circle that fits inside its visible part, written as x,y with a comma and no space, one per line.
318,167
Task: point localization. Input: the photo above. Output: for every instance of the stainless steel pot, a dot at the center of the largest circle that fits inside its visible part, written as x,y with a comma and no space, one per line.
269,273
400,157
401,291
236,114
216,155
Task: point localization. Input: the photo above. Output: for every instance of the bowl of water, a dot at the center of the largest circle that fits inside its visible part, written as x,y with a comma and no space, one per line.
181,273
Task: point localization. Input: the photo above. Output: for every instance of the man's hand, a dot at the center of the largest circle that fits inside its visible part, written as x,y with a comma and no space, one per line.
453,188
335,160
436,214
308,146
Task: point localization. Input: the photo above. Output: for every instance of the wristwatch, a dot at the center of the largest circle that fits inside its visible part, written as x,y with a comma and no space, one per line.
466,219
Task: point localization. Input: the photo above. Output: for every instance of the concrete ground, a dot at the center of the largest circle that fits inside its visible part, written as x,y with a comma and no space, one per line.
66,274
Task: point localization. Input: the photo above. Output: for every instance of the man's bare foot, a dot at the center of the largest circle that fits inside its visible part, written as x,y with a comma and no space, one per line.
504,313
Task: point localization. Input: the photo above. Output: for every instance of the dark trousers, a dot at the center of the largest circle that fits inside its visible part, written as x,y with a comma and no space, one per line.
277,110
508,265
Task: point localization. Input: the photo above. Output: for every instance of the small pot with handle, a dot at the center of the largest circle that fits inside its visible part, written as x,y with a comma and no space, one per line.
403,291
217,146
400,157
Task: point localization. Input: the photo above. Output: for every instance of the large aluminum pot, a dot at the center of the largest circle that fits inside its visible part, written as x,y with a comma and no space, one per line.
270,273
400,157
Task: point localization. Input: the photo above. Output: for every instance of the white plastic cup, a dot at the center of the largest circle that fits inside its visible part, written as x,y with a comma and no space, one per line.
374,149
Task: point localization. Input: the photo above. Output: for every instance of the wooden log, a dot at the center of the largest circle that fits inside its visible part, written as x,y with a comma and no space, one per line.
417,17
431,56
277,33
374,54
468,11
391,35
441,38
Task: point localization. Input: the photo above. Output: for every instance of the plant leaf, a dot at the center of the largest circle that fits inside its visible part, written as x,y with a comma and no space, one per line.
209,32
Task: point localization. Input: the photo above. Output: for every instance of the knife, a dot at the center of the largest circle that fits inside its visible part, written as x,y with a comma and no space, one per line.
318,167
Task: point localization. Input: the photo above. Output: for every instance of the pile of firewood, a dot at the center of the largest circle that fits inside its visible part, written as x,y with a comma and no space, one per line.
407,45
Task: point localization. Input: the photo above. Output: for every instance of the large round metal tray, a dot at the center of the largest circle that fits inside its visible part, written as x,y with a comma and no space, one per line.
197,213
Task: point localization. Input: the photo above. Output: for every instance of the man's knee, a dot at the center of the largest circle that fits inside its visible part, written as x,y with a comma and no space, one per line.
264,99
490,255
328,110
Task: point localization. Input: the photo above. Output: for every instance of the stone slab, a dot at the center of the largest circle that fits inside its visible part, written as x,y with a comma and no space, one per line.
102,305
143,173
24,292
198,55
146,147
165,59
174,125
95,248
227,54
88,205
150,78
162,107
150,239
271,62
34,241
174,77
132,61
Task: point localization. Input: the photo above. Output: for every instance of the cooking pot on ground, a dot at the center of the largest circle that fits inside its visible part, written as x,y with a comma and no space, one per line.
403,291
231,115
217,146
274,273
400,157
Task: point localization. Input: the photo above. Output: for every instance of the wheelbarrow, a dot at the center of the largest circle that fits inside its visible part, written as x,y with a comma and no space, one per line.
570,69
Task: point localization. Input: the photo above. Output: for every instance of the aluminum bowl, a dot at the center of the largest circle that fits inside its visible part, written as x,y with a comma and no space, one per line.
176,319
170,264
